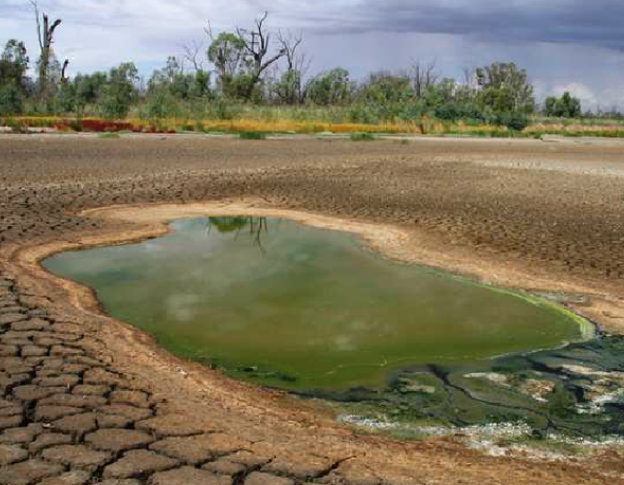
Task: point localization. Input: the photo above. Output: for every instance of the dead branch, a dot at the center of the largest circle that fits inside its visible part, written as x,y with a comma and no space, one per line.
290,43
423,76
64,77
193,54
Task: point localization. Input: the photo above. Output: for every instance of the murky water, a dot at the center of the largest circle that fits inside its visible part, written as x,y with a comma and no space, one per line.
305,309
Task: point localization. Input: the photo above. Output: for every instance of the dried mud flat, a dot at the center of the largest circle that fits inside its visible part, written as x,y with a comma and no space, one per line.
90,400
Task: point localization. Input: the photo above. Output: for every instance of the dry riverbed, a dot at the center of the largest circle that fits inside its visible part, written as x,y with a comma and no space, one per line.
88,399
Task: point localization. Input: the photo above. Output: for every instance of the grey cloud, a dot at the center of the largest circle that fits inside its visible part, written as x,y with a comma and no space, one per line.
597,23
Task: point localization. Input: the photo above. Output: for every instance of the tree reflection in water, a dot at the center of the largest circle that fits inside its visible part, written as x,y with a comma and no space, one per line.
257,227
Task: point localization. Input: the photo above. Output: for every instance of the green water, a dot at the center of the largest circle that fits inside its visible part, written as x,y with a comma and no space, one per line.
302,308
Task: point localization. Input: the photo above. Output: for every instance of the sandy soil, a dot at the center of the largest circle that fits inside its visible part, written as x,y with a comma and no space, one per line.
529,214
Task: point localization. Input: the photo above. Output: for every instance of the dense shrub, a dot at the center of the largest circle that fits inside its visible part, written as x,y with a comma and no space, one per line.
411,111
514,120
223,109
252,135
364,113
565,107
11,100
162,105
460,111
120,92
362,137
331,87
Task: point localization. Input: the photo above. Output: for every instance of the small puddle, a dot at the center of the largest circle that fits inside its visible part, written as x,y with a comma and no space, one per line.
314,312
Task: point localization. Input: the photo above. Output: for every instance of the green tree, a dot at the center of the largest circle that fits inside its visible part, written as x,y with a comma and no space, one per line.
11,100
89,87
288,88
178,84
565,107
200,87
75,94
504,87
514,120
120,91
14,65
227,54
162,104
66,98
331,87
440,93
384,88
13,80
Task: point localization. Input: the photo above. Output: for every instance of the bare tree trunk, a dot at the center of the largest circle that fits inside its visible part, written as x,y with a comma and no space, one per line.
297,64
423,76
257,45
64,77
193,54
45,36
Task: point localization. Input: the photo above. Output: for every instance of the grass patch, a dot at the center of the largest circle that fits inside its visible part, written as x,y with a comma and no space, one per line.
109,136
315,121
363,137
252,135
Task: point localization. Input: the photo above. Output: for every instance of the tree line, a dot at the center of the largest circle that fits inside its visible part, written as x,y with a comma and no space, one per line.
262,67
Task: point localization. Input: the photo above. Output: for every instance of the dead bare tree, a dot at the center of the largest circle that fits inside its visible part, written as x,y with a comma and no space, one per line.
297,64
257,43
194,54
423,75
290,42
45,36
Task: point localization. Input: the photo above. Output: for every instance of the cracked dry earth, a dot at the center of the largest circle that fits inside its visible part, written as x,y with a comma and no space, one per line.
87,400
69,417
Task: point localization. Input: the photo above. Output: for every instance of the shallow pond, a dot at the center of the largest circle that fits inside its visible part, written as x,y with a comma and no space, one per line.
305,308
314,312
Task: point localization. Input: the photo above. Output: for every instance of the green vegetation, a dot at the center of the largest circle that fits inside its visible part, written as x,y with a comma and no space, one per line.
255,74
14,84
564,107
109,136
252,135
362,137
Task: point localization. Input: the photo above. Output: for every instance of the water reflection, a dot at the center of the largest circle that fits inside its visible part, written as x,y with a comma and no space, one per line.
257,227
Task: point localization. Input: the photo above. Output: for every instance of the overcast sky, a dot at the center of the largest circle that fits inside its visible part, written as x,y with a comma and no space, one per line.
575,45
